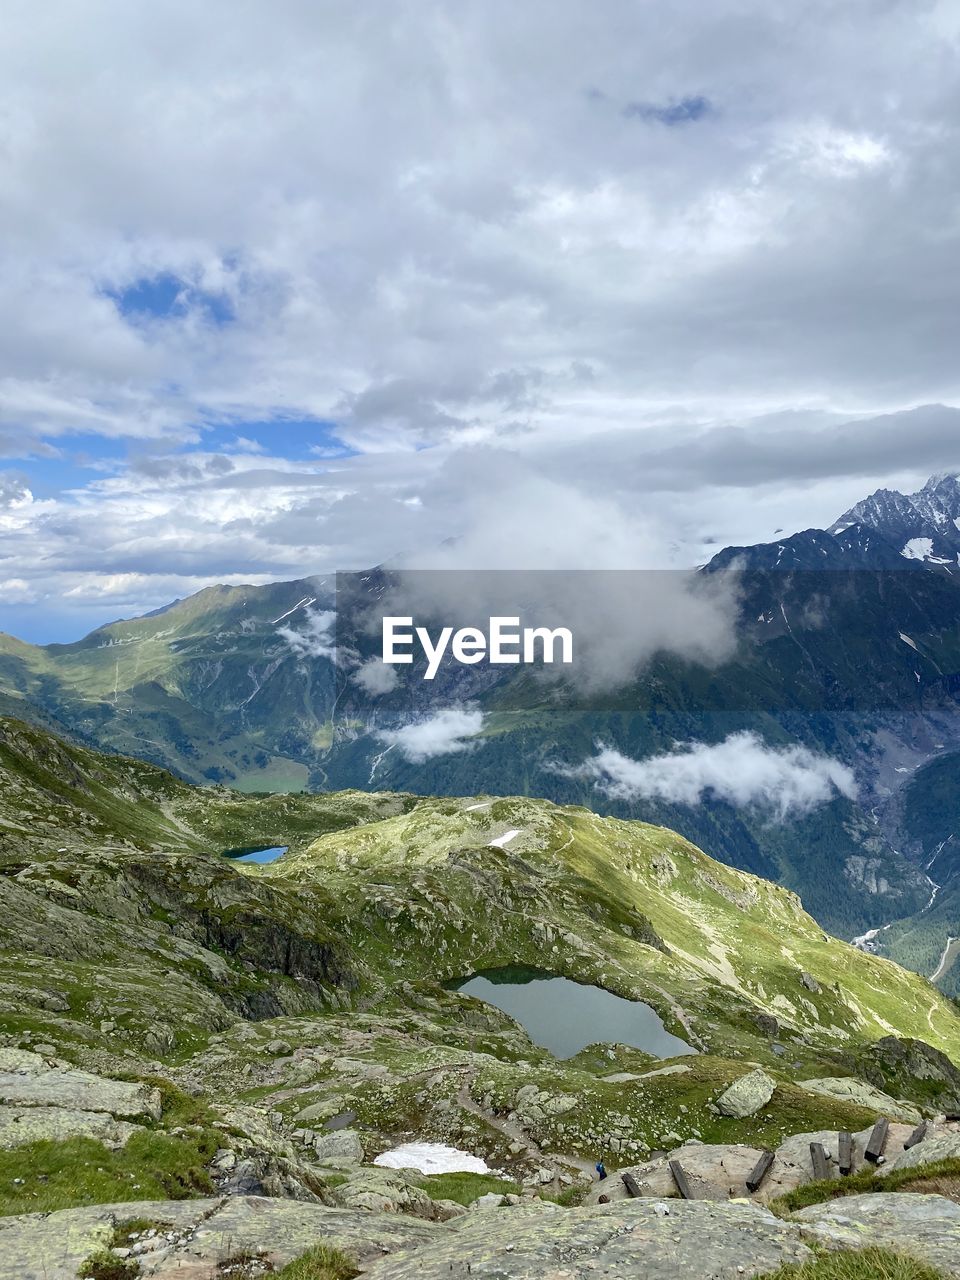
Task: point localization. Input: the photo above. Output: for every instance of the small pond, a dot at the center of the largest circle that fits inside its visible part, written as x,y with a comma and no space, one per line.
257,853
565,1016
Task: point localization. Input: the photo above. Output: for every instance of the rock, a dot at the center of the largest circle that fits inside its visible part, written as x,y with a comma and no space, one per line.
746,1096
52,1246
938,1146
379,1190
849,1089
20,1126
927,1227
677,1069
278,1048
807,980
492,1200
28,1081
694,1240
341,1144
794,1152
718,1170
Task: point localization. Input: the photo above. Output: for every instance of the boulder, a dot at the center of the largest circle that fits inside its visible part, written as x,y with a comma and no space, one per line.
393,1191
746,1096
339,1145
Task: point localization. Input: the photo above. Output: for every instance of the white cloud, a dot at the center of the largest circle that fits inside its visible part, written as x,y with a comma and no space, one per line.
376,677
315,638
445,733
742,770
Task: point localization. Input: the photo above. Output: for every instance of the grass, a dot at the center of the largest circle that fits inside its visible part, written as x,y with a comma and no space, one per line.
464,1188
319,1263
62,1175
104,1265
864,1264
944,1174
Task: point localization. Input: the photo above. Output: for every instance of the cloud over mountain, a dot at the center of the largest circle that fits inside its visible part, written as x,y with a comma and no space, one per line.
742,770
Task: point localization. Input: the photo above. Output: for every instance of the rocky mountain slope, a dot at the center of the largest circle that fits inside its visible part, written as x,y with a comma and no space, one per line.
214,1051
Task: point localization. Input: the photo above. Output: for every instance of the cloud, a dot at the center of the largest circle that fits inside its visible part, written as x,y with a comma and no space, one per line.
315,639
445,733
690,299
787,782
376,677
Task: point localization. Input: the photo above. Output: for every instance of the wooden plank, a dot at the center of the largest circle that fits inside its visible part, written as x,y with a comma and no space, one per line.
760,1171
632,1185
680,1178
877,1141
818,1158
918,1135
845,1152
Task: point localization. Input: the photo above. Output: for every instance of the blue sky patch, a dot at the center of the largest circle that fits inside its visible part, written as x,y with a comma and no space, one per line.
685,111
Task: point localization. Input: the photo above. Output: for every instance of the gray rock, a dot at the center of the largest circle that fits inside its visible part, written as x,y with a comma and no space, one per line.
938,1146
685,1240
807,980
20,1126
746,1096
341,1144
850,1089
26,1080
927,1227
52,1246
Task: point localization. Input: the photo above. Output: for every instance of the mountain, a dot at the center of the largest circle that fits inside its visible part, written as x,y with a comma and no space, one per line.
923,526
848,647
179,1022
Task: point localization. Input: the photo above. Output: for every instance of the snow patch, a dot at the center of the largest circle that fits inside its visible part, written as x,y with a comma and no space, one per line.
918,549
431,1157
500,841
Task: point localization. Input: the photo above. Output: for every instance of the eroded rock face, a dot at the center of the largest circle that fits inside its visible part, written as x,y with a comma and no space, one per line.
746,1096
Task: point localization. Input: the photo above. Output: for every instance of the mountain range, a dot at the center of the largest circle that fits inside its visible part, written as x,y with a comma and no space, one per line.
848,648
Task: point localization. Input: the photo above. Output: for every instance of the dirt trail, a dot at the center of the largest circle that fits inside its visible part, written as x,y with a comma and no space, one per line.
515,1132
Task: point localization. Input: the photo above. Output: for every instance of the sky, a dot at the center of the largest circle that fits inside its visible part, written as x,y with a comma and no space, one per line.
293,288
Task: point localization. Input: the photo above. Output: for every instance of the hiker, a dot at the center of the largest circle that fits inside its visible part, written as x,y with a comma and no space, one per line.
601,1171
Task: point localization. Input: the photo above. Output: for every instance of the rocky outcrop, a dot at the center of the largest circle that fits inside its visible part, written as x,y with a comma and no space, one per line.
195,1237
926,1227
720,1171
692,1240
849,1089
45,1099
746,1096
